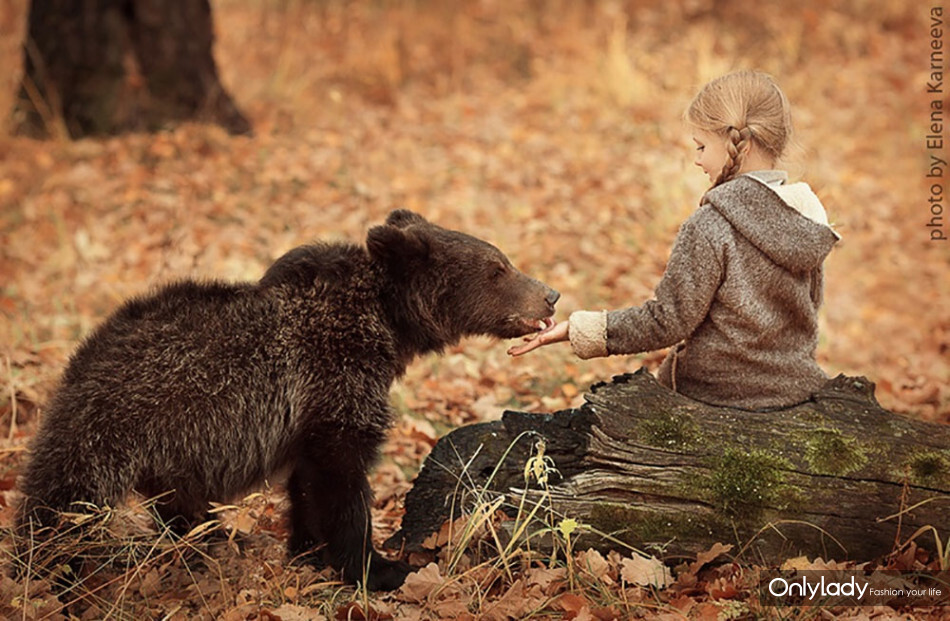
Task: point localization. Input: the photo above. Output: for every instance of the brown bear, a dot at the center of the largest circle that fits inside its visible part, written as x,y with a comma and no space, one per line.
205,388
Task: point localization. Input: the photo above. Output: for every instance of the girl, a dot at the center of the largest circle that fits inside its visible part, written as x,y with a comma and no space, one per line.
742,288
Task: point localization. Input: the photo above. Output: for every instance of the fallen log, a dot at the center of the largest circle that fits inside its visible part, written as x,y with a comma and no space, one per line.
837,477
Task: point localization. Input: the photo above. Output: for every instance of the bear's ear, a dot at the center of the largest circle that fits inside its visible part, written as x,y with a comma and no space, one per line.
397,247
401,218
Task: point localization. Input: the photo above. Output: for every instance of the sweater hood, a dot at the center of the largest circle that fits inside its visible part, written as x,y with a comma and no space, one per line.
786,222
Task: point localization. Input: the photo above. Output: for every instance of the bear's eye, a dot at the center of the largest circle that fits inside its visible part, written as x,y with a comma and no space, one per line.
500,270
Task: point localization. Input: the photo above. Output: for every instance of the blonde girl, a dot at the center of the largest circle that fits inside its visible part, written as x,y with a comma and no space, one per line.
740,296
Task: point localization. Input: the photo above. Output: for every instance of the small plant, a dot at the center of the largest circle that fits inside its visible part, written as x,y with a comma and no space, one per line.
535,525
566,528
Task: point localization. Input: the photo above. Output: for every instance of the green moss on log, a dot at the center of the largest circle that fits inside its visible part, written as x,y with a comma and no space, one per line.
674,430
743,484
830,452
638,527
930,468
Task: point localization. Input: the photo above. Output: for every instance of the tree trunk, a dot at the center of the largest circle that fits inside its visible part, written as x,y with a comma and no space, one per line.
75,59
655,469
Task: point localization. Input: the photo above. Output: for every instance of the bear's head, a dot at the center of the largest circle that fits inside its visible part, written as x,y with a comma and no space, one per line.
449,284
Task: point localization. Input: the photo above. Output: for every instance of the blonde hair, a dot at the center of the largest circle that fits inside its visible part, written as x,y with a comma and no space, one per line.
748,108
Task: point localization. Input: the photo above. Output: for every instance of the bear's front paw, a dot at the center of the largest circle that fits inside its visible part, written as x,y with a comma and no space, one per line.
303,551
386,575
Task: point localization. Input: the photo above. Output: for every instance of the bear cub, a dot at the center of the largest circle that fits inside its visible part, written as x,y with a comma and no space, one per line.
204,389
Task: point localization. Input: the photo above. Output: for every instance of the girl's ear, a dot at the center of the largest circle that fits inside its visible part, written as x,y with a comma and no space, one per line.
749,146
399,248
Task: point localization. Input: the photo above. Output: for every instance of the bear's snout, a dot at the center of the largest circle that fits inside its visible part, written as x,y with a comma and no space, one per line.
533,309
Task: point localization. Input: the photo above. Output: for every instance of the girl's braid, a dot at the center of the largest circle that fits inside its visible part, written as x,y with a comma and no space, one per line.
735,151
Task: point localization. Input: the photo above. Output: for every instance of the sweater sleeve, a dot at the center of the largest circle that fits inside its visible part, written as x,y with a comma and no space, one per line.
680,303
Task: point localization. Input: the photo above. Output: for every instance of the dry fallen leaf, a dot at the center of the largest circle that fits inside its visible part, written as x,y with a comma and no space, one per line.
709,555
546,578
574,606
594,563
420,584
151,583
292,612
646,571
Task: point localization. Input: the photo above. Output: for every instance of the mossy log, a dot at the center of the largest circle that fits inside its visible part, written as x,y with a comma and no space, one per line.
837,477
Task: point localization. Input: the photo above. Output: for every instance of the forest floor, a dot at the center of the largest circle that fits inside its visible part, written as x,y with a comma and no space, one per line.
552,130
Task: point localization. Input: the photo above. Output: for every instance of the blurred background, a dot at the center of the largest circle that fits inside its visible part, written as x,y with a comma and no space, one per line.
552,129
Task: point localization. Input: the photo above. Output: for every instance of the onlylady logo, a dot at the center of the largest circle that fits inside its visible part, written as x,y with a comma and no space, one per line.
780,587
854,588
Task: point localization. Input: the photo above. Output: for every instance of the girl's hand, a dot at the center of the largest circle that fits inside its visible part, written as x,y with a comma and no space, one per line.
555,334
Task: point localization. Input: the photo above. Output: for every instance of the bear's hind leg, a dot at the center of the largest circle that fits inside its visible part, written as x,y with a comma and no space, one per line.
53,485
179,514
304,525
331,499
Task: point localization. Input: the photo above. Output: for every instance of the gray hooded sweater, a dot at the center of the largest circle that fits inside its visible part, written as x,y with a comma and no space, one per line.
740,297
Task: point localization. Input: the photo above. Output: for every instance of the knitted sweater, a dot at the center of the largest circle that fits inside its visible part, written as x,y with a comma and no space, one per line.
740,296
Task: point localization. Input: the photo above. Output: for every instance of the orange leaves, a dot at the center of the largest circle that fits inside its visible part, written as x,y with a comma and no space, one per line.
516,602
607,588
708,556
579,608
451,597
484,591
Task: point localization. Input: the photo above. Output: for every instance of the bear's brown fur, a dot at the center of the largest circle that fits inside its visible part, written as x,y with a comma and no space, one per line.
207,388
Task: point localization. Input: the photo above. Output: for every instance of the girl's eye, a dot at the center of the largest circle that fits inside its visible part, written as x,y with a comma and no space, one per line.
700,147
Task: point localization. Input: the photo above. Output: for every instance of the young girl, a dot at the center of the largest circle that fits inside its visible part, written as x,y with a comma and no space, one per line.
742,288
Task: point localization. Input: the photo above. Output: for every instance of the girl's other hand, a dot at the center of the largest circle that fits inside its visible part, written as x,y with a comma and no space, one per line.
555,334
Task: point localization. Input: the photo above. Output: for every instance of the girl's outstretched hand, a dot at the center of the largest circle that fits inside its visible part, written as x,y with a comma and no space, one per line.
555,334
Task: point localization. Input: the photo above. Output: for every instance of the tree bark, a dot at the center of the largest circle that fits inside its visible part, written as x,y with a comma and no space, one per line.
653,468
75,57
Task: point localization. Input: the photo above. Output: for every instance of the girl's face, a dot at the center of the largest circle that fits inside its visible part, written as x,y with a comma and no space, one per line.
710,152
